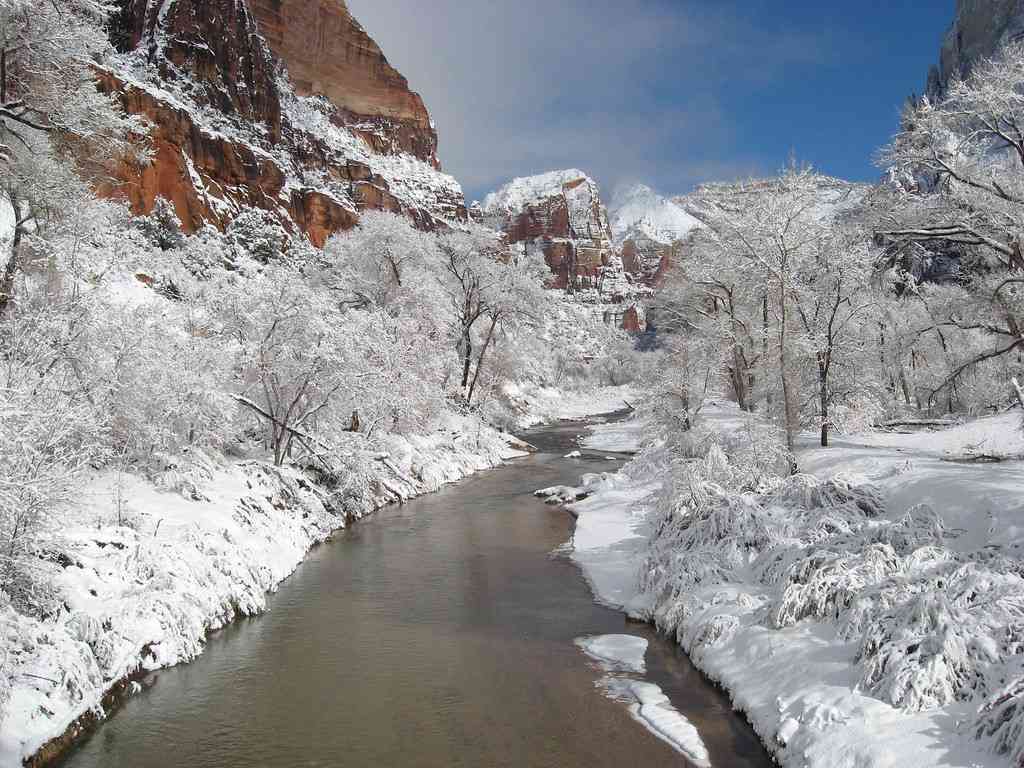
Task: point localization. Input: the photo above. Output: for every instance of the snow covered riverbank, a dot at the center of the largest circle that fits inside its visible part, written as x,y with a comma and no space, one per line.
863,614
152,566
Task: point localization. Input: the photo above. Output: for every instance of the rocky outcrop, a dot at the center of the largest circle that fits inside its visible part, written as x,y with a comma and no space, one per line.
650,231
561,216
981,26
327,53
229,130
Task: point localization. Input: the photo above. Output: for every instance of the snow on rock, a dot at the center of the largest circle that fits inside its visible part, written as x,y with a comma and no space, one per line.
154,565
561,216
560,494
231,130
616,652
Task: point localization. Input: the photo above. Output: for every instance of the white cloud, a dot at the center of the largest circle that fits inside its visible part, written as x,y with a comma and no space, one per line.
618,89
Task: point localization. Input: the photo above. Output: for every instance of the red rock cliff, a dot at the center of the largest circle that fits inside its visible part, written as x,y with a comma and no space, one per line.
328,53
229,130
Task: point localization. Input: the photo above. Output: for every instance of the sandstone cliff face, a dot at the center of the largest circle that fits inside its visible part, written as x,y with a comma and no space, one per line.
650,230
561,216
229,129
981,26
328,54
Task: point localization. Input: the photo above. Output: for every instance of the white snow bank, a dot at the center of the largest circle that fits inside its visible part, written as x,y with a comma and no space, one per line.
858,617
146,573
541,405
622,655
616,652
618,436
655,712
611,538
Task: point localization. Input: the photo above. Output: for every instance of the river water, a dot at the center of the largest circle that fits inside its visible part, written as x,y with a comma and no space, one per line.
438,633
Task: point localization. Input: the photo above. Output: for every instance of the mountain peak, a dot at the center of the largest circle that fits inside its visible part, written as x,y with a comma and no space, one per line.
638,211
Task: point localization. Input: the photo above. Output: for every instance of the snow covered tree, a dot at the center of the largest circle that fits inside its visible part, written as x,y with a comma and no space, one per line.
489,289
782,284
382,262
291,356
256,234
958,186
55,126
833,297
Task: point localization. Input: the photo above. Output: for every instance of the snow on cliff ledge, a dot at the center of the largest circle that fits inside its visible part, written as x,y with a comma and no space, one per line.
522,193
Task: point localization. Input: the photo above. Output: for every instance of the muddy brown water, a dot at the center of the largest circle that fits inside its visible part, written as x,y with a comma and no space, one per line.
439,633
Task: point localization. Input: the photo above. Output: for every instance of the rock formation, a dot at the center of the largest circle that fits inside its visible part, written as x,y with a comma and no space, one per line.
327,53
560,215
650,230
981,26
231,126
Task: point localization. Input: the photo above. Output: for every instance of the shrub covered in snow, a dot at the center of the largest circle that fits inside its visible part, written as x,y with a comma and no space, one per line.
931,625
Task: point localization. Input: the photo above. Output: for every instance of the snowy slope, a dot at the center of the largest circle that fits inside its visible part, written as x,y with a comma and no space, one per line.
639,211
152,570
526,191
859,615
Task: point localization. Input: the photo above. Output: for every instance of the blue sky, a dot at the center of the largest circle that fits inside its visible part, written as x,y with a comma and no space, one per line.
668,92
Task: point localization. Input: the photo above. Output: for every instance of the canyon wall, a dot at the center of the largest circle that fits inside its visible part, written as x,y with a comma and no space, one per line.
981,26
284,105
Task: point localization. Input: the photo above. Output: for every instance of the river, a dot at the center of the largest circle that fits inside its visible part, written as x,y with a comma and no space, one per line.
438,633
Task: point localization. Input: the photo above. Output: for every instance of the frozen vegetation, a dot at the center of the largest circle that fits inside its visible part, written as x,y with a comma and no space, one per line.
825,510
824,505
861,612
183,415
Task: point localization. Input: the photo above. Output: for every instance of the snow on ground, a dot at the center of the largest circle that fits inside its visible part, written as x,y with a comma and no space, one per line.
621,657
616,436
541,405
853,626
151,566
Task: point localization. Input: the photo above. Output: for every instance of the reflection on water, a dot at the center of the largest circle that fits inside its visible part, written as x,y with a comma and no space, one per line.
439,633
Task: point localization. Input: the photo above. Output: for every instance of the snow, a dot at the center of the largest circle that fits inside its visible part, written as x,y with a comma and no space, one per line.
522,192
621,656
544,404
655,712
616,652
617,436
639,210
152,571
818,694
7,222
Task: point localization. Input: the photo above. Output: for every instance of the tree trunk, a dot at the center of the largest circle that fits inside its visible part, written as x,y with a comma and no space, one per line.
11,267
480,360
823,399
787,394
467,358
764,353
